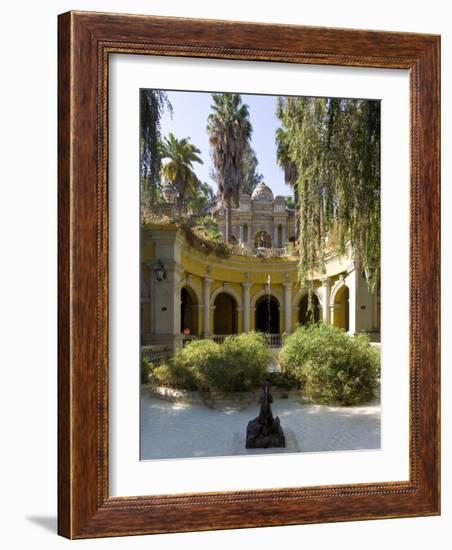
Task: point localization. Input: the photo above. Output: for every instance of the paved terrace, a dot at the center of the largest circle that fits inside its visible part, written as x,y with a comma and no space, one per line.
175,430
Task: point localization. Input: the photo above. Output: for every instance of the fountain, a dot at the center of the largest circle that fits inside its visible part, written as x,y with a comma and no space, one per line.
265,431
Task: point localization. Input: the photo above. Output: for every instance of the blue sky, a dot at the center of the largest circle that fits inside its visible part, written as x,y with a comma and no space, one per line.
191,110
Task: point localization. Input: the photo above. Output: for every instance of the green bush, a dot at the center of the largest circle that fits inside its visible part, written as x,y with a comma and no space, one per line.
239,364
330,366
146,370
283,380
246,359
174,375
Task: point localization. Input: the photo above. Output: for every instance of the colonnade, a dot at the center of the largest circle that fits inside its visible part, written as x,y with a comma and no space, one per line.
164,302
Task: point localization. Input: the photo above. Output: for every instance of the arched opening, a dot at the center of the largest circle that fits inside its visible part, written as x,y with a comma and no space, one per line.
341,308
305,315
188,312
233,239
225,314
262,239
245,234
280,243
292,239
267,314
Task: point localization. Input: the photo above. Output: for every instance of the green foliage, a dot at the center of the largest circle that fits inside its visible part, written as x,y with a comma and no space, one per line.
206,241
239,364
177,374
201,196
288,165
178,169
152,105
330,366
146,370
207,227
248,358
290,203
283,380
330,151
251,177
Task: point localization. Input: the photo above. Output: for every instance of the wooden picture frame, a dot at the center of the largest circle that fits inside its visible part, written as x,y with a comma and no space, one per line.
86,40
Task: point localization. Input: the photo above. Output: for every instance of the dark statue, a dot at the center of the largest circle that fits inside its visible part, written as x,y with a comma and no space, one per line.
265,431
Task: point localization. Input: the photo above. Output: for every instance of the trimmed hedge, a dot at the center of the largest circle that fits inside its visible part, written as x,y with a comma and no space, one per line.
330,366
239,364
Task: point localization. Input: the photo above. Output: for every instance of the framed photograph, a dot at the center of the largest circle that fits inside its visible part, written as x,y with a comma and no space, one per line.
249,270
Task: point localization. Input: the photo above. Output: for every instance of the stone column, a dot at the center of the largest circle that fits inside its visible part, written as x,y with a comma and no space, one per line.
287,307
364,302
240,234
351,282
152,302
275,236
326,291
206,306
166,301
172,294
246,305
284,236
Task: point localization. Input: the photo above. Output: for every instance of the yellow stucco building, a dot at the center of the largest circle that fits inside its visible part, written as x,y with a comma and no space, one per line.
184,290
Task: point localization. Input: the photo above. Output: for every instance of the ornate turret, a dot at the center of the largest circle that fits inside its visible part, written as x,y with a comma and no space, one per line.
262,193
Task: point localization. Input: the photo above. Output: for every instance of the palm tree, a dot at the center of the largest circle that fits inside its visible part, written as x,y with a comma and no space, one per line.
178,170
290,170
153,103
229,129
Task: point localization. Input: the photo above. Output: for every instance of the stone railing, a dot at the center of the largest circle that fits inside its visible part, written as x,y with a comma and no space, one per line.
187,339
272,340
261,252
219,338
155,353
172,212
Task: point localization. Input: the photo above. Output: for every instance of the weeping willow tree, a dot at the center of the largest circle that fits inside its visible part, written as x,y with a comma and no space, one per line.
334,145
152,105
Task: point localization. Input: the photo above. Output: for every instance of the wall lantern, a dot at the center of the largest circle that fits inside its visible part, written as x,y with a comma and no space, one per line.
160,273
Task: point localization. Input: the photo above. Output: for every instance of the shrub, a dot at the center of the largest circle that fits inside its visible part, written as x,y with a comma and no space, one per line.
146,370
246,359
330,366
283,380
239,364
207,227
175,376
